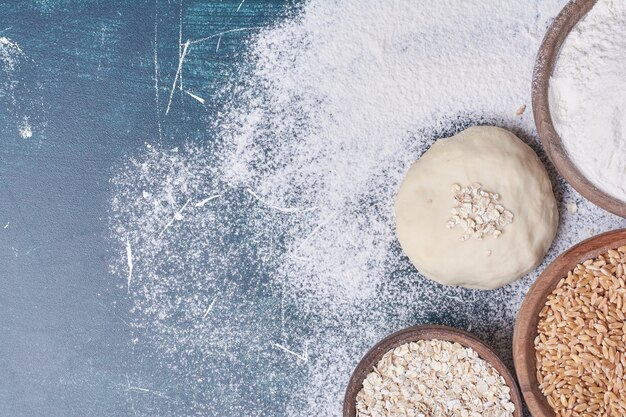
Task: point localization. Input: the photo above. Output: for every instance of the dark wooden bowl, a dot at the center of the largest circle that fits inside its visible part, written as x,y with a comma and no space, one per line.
544,66
528,317
426,332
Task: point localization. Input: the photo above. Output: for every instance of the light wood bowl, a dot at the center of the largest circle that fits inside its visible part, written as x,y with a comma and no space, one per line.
426,332
528,317
546,60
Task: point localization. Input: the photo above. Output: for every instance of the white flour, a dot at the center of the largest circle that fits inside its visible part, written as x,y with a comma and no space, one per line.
262,300
588,96
10,53
18,91
347,90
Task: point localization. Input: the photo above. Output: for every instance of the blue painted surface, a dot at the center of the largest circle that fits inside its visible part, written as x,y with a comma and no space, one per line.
81,76
85,81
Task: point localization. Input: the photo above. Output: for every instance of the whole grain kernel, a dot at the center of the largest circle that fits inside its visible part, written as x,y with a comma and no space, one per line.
581,339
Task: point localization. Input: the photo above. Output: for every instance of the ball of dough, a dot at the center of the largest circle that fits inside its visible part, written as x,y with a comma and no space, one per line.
499,161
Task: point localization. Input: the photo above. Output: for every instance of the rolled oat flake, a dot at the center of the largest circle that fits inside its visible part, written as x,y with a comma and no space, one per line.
434,378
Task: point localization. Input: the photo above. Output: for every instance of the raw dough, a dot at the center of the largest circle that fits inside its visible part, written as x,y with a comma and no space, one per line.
503,164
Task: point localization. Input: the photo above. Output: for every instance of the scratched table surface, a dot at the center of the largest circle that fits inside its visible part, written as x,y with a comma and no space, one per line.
77,93
89,87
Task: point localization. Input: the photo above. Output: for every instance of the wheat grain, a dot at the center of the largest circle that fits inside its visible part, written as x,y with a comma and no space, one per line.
581,342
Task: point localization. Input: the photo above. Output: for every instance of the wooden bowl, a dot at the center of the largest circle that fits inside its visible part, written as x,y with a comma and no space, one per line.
426,332
546,60
528,317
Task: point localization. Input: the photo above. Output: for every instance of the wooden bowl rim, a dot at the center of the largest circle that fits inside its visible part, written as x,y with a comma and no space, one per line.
525,330
551,141
426,332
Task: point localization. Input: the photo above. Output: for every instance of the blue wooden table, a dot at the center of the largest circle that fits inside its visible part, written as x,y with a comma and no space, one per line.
107,311
78,92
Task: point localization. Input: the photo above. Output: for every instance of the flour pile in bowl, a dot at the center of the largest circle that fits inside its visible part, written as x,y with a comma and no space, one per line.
588,96
265,265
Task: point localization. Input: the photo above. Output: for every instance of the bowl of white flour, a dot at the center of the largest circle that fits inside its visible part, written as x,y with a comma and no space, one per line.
579,99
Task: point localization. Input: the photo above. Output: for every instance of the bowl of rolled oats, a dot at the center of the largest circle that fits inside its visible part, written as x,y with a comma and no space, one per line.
569,343
432,371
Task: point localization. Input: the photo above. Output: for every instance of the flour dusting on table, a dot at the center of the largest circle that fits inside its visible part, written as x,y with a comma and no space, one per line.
275,287
19,99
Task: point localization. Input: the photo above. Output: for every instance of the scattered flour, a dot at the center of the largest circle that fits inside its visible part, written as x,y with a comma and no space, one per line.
261,300
10,56
26,131
588,96
18,98
9,53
